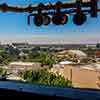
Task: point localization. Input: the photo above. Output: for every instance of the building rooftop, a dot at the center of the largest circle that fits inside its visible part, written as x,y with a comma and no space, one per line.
77,52
65,62
23,63
92,66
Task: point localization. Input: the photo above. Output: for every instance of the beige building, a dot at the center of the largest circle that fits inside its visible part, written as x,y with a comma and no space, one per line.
83,75
16,67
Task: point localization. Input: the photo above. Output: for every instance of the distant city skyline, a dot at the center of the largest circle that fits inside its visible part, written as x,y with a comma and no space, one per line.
14,28
45,39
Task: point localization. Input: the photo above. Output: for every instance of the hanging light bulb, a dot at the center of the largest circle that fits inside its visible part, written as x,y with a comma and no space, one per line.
64,19
59,19
79,19
38,20
46,20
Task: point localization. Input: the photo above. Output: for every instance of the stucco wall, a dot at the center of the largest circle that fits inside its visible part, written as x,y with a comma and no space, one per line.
80,77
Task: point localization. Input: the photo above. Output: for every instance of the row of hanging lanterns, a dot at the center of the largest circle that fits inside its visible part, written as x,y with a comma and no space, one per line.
59,18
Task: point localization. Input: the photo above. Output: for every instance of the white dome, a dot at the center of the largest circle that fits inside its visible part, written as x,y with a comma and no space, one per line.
77,52
65,62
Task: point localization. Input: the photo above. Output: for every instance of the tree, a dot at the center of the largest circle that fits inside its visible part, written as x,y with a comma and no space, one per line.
2,51
3,73
43,57
98,45
46,78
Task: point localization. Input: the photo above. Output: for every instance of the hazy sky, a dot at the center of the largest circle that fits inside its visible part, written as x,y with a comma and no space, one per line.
13,27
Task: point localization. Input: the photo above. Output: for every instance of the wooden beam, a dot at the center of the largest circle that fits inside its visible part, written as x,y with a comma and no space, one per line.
29,9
